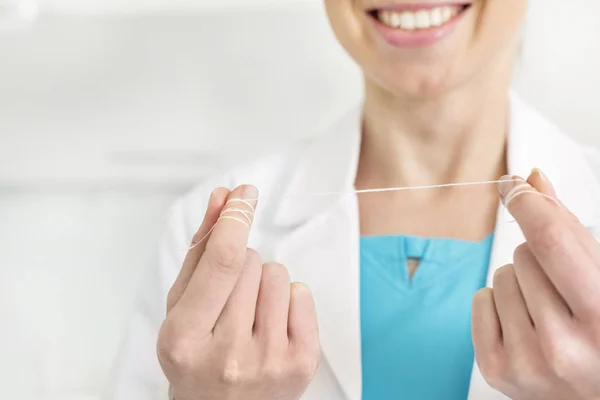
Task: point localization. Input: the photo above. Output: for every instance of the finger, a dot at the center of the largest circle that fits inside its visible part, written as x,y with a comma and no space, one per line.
546,307
273,303
515,322
303,329
221,264
216,203
539,181
487,332
238,315
565,250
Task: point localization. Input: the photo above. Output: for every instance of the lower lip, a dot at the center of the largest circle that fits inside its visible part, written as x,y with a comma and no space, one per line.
418,37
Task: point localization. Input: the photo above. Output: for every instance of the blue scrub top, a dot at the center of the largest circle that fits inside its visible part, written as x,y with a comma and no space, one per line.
416,333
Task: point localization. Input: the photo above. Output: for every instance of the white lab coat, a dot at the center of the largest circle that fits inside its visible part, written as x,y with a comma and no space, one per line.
318,240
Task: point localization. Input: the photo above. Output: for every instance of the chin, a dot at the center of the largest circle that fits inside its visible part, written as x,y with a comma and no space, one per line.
420,83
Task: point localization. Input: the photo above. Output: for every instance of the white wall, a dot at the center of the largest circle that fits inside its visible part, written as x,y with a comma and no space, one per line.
161,97
105,120
561,63
150,97
70,264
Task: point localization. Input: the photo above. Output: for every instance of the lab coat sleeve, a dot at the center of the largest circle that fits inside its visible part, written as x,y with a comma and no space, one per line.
138,375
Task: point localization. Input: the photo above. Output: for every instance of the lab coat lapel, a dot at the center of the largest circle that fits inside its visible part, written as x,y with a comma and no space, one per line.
534,142
322,247
324,254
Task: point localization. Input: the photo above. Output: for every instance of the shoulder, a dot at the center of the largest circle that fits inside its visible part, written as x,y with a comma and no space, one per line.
550,141
573,167
528,121
569,147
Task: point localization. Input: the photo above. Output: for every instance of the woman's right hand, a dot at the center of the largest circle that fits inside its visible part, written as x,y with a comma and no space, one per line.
235,328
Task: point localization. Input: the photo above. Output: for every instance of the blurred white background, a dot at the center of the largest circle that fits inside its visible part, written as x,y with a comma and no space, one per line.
109,109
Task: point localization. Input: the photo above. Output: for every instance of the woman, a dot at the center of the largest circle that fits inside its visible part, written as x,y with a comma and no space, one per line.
394,310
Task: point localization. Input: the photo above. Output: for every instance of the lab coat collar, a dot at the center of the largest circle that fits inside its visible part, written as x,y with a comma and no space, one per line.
323,249
323,246
328,166
534,142
331,162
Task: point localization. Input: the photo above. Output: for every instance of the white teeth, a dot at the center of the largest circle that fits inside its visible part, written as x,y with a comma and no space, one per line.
396,20
384,17
436,17
446,13
408,21
422,19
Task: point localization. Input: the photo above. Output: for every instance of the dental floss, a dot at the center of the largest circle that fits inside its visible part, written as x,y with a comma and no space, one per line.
398,189
518,190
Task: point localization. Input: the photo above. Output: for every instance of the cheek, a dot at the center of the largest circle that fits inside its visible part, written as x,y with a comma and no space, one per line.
347,23
499,22
337,12
497,31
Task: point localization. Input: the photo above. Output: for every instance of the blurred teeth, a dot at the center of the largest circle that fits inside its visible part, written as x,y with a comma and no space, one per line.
422,19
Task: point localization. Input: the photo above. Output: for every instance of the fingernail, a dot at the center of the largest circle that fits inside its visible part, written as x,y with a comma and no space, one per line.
546,186
541,174
300,287
250,193
507,184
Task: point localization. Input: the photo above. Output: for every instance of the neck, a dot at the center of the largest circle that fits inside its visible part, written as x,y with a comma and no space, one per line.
458,137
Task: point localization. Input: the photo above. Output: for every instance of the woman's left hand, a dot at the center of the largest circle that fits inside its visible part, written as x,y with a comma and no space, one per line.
537,332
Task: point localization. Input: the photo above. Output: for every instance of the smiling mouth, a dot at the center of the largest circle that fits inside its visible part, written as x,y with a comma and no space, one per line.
418,18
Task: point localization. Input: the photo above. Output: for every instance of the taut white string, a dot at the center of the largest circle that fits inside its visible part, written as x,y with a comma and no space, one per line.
396,189
522,188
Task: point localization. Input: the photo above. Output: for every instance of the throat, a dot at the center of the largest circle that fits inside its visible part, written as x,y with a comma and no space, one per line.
412,264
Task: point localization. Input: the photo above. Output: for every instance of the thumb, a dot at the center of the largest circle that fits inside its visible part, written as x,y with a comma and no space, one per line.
540,181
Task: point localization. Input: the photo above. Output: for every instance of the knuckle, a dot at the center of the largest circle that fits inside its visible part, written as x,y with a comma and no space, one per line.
524,371
562,357
274,371
253,257
224,255
494,371
551,236
233,367
276,272
176,352
232,373
306,366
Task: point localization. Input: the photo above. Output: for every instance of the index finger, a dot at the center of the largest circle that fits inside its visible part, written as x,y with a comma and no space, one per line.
215,205
221,264
566,251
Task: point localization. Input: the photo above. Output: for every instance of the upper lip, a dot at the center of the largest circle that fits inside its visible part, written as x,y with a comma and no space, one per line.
415,5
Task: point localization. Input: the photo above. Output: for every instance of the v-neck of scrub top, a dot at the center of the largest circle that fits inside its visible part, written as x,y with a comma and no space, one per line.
416,332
